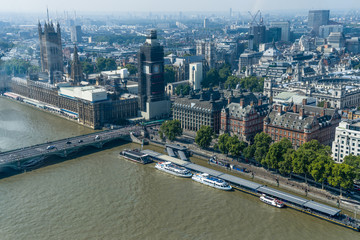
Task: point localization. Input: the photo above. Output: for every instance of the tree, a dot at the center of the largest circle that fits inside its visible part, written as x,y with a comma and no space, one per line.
171,129
235,146
18,66
224,72
262,143
231,82
254,84
212,78
249,151
301,160
342,176
320,168
131,68
169,74
184,88
285,166
276,153
204,136
105,64
223,143
354,161
87,67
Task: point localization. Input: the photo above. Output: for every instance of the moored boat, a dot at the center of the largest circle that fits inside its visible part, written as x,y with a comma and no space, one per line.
272,201
135,156
211,181
173,169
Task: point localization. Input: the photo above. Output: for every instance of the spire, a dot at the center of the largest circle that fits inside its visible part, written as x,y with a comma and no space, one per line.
47,12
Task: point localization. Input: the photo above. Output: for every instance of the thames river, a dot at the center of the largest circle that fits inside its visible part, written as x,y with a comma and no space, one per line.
100,196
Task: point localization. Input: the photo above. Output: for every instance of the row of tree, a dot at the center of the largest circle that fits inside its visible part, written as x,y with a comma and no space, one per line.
311,158
19,66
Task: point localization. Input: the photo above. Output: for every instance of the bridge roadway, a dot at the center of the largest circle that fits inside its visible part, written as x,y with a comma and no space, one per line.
65,146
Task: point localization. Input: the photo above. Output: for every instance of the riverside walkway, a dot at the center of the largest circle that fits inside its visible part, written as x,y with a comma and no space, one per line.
20,158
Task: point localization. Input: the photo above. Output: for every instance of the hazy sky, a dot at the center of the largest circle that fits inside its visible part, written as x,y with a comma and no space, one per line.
171,5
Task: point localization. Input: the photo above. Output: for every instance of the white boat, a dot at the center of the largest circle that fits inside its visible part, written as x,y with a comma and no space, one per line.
174,169
272,201
211,181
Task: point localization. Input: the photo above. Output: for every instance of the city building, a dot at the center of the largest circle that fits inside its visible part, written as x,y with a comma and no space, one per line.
336,40
196,75
347,140
76,34
272,34
257,35
353,45
317,18
91,105
244,118
51,51
153,103
248,59
200,109
324,31
302,123
285,29
336,91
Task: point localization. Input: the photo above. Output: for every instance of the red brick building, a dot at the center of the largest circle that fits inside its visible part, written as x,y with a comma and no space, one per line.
244,118
301,124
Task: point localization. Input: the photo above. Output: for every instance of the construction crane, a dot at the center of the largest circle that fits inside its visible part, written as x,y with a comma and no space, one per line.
253,18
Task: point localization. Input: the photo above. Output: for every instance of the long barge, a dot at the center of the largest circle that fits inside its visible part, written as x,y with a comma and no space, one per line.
309,207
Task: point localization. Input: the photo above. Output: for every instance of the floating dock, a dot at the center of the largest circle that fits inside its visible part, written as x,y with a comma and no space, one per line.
310,207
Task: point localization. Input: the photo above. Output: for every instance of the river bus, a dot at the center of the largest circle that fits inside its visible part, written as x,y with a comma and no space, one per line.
211,181
173,169
272,201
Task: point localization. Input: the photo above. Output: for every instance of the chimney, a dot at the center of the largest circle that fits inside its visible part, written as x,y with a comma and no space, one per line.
229,99
294,108
279,110
260,102
242,102
301,113
322,112
304,101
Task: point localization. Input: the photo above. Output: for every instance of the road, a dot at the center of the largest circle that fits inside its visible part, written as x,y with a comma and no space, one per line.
63,144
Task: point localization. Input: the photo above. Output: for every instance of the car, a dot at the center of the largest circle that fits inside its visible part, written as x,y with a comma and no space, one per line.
97,137
68,142
80,141
50,147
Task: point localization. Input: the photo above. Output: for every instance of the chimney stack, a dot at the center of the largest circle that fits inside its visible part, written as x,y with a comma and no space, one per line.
260,102
279,110
242,102
229,99
301,113
294,108
322,112
304,101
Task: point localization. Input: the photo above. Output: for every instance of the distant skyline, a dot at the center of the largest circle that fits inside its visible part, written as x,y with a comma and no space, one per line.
38,6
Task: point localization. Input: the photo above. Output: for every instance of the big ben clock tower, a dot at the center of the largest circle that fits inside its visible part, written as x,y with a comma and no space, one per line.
152,101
